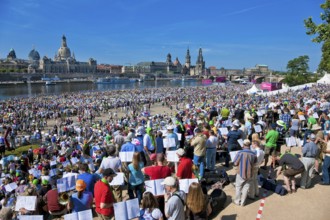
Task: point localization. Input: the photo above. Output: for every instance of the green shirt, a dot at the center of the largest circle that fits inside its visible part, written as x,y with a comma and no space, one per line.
311,121
271,138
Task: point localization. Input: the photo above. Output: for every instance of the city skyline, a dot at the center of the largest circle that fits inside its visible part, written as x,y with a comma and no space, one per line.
236,34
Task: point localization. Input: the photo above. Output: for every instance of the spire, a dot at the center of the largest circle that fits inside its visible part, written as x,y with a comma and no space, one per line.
73,56
169,59
64,41
200,56
188,59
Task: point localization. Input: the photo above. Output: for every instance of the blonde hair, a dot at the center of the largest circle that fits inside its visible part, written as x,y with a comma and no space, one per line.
255,137
136,160
196,198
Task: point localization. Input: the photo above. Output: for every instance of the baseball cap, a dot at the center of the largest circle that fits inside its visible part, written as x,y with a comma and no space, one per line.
109,172
80,185
153,157
169,181
44,182
312,137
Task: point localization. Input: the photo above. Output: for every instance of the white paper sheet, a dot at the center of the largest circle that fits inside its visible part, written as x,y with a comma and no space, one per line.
27,202
118,180
233,155
171,156
185,183
223,131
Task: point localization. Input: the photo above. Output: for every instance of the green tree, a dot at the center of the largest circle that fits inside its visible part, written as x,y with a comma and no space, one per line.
322,32
298,65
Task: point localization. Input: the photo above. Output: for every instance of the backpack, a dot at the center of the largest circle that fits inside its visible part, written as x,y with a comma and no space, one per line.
224,178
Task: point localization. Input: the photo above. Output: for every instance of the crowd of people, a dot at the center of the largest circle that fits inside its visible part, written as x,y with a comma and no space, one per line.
85,137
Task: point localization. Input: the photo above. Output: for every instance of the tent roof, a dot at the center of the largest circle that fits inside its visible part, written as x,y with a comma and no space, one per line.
253,89
325,79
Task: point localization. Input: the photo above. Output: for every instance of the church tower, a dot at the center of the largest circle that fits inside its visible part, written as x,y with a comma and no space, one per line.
187,64
200,63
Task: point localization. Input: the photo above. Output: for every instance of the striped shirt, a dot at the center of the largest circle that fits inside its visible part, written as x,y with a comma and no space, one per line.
245,160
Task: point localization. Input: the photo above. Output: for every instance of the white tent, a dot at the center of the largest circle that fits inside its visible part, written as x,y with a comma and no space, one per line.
325,79
253,90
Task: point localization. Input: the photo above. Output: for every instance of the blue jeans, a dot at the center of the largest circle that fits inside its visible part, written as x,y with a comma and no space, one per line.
210,158
325,170
199,161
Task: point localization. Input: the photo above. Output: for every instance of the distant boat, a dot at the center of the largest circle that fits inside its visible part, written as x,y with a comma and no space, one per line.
113,80
50,82
56,78
188,79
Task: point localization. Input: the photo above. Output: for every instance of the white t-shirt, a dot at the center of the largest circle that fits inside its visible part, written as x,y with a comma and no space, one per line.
155,214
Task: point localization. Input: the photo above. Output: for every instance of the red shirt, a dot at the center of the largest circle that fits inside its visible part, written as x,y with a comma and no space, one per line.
185,168
158,172
52,201
103,194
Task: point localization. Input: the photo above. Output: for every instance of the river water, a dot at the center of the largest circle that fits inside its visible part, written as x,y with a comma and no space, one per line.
32,90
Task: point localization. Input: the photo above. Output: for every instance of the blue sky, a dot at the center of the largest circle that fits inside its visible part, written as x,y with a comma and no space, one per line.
232,33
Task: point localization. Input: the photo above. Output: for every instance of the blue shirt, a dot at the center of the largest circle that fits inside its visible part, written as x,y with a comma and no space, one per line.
89,179
136,177
82,204
128,147
139,148
160,145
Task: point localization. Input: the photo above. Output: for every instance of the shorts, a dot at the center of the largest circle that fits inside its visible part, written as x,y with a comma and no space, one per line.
291,172
270,151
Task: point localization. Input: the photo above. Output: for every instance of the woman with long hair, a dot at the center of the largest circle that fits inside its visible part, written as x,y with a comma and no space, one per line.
150,208
81,200
198,205
136,177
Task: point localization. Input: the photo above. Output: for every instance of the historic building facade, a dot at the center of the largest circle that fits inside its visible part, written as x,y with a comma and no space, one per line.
170,67
64,62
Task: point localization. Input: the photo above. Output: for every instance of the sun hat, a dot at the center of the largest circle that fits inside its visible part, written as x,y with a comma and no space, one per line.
280,123
316,127
169,181
80,185
180,152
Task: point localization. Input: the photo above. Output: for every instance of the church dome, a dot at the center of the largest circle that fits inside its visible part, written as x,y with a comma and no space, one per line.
11,54
64,52
34,55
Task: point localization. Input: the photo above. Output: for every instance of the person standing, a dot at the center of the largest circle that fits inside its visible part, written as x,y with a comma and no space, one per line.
309,154
199,144
88,178
114,163
270,146
174,200
326,166
136,177
198,203
103,196
244,160
211,150
254,188
185,165
232,140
